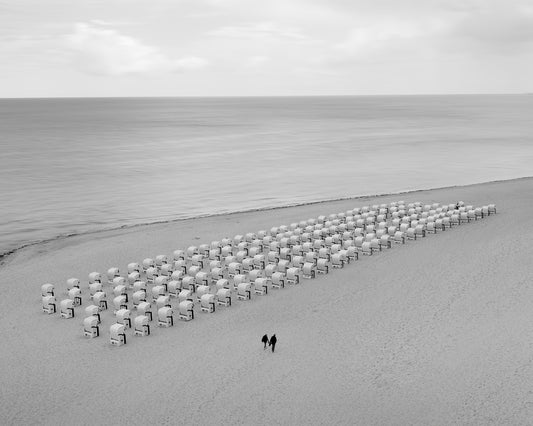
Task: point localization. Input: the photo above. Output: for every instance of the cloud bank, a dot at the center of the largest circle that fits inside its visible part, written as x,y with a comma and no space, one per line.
102,50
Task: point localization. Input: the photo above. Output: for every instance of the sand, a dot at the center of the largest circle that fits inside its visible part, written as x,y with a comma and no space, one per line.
437,331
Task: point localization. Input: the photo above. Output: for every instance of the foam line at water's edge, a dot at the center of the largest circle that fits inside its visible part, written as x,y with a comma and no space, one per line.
4,256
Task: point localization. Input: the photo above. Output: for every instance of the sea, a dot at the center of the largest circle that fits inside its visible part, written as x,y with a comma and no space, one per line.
71,165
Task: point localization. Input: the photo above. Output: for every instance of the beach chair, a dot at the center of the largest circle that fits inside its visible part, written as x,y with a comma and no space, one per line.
270,269
259,261
188,283
201,290
207,303
238,279
151,274
214,254
174,288
163,300
375,245
293,275
491,209
351,253
223,283
193,270
399,237
121,290
471,215
119,302
148,263
324,253
223,296
198,260
134,267
117,334
385,241
186,310
139,285
285,253
185,294
166,270
141,326
322,266
75,295
278,280
100,299
93,310
431,227
311,257
112,273
234,268
180,266
124,317
49,304
95,277
297,261
157,291
165,315
180,276
133,277
337,261
90,327
138,297
366,248
272,257
161,281
420,230
203,250
255,250
47,290
254,274
261,286
309,270
202,278
247,264
144,308
191,251
410,234
178,255
218,273
66,308
73,283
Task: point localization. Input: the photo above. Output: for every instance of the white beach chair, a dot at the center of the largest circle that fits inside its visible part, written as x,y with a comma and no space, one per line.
162,301
47,290
207,303
278,280
73,283
141,325
100,299
165,315
49,304
138,297
112,273
75,295
186,310
90,327
293,275
93,310
95,277
134,267
117,334
322,266
261,286
124,317
144,308
148,263
223,297
66,308
309,270
119,302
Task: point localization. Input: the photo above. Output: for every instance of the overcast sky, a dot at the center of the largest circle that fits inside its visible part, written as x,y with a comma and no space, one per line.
269,47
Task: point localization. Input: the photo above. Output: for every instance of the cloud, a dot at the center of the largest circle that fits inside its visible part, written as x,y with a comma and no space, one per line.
263,30
99,49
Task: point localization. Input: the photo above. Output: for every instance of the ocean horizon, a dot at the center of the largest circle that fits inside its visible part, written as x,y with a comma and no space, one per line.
78,165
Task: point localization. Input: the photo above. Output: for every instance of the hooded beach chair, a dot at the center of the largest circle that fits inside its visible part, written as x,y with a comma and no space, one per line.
49,304
117,334
141,325
90,326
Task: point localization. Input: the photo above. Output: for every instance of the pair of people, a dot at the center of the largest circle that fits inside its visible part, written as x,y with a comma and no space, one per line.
271,342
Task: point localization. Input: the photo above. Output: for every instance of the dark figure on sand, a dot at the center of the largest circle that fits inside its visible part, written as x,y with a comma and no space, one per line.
265,341
272,342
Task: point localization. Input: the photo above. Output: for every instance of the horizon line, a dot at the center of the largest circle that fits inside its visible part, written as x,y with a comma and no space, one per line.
266,96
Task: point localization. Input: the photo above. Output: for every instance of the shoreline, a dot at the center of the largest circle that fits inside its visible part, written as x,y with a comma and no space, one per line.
5,257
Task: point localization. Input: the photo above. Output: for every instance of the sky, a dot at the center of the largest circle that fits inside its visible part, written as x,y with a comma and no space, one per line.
64,48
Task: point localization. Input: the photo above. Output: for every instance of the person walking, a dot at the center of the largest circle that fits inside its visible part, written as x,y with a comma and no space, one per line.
265,341
272,342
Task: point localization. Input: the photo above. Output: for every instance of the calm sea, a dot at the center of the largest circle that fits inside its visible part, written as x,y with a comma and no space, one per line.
76,165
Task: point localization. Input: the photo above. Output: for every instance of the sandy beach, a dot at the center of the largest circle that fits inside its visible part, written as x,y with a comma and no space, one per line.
436,331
